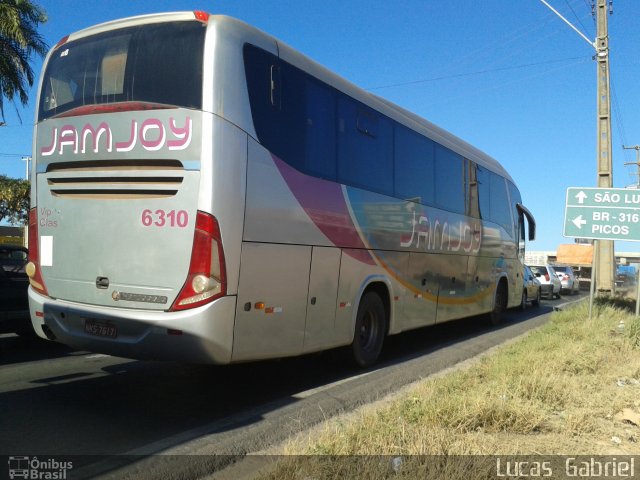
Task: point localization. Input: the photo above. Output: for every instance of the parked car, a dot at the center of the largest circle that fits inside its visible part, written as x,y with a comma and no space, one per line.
532,290
14,303
568,280
549,281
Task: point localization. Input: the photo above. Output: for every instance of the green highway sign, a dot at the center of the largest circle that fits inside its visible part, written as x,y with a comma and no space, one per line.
602,213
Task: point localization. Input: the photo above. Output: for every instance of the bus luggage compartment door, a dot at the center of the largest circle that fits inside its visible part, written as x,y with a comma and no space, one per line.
323,294
272,298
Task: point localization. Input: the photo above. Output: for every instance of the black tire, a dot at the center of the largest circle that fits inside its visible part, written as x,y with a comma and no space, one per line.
536,302
523,302
499,305
27,332
371,327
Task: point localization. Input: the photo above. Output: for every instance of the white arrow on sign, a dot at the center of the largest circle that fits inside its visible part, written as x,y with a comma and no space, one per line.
579,221
581,196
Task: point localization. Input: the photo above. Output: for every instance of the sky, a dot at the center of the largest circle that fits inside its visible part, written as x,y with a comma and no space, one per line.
507,76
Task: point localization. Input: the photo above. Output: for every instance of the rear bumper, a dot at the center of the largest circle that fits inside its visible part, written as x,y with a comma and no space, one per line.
546,290
200,335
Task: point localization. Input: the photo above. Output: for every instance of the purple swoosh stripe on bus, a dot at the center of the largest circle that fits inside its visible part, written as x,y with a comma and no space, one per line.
324,202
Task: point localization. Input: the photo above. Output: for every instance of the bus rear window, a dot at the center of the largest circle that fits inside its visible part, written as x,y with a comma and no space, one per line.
156,63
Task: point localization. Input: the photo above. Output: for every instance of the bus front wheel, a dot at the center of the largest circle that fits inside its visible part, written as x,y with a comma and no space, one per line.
370,330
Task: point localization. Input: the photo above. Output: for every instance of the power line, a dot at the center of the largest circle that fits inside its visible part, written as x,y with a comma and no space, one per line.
576,15
478,72
617,114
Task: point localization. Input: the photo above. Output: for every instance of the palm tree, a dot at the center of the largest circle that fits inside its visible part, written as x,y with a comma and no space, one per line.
19,40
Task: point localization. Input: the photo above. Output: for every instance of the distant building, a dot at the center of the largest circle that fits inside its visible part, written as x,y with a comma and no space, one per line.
539,257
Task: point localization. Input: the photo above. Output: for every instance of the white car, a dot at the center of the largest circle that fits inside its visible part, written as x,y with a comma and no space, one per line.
549,281
568,279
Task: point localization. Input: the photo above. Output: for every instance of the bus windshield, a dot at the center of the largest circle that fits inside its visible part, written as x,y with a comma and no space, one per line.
156,63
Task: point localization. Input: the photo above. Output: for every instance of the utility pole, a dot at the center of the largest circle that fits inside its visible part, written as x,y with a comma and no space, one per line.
605,261
604,249
27,160
637,162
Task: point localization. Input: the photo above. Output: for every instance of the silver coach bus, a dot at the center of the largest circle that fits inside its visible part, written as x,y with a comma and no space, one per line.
205,193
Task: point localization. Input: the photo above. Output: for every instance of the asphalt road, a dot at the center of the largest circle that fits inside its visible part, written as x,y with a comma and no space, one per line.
111,413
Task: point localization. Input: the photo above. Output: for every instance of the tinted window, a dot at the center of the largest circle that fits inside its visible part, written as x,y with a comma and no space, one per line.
298,124
414,167
320,132
539,270
323,132
365,147
518,220
267,118
500,207
160,63
494,201
449,180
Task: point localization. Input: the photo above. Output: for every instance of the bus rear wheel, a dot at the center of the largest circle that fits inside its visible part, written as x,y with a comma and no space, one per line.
370,330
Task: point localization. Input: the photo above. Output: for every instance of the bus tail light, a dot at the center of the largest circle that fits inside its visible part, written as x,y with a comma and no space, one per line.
33,269
206,280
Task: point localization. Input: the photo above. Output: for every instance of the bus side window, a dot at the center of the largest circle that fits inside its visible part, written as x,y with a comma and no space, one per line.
320,133
367,123
494,201
500,207
484,192
267,120
364,160
414,166
449,180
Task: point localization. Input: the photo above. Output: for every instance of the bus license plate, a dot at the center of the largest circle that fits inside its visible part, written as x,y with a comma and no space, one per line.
100,329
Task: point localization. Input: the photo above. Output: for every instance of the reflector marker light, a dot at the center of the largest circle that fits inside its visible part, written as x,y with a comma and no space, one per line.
201,16
62,41
33,269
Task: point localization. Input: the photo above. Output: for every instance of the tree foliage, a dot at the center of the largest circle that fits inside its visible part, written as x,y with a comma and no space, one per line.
19,41
14,200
